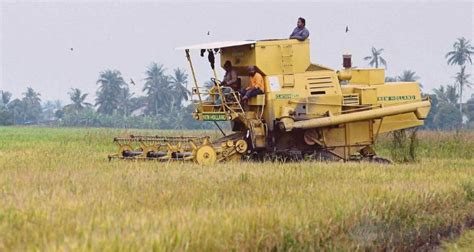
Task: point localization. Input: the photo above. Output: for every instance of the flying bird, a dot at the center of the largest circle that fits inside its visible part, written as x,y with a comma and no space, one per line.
208,33
72,49
132,82
347,28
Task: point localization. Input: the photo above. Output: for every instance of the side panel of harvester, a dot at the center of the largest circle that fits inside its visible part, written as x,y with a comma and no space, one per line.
370,87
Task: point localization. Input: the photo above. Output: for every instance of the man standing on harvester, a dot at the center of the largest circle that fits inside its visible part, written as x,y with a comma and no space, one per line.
300,32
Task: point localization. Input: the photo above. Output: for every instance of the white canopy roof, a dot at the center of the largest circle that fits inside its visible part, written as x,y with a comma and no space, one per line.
215,45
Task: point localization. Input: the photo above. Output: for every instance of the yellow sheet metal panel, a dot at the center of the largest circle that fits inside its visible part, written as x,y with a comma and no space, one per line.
373,76
318,106
397,122
395,93
288,80
272,57
360,133
334,136
284,56
367,95
258,100
239,56
319,82
398,92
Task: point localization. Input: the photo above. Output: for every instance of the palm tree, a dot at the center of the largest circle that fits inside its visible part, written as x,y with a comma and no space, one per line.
125,104
31,105
111,84
179,84
5,98
447,95
460,55
462,80
159,97
17,109
461,52
31,95
376,58
78,98
408,76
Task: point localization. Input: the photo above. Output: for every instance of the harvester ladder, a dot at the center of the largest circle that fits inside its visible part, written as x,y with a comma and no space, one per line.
233,105
286,52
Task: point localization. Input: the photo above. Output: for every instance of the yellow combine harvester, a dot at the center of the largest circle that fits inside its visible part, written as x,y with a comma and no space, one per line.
308,111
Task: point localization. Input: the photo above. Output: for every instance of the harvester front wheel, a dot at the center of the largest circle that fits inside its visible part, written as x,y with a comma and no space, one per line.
241,146
206,155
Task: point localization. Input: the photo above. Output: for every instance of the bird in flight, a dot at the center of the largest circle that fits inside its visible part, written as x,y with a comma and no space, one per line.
132,82
347,28
72,49
208,33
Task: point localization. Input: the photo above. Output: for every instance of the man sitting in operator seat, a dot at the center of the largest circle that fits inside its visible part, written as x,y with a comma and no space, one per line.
255,87
229,83
230,77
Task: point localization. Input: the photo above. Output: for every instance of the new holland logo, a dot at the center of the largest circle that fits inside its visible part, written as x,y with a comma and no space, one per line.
396,98
214,117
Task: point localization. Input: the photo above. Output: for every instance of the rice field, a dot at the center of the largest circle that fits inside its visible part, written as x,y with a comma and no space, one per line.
59,192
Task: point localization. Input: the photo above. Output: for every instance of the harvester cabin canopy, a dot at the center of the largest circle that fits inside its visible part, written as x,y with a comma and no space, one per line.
271,57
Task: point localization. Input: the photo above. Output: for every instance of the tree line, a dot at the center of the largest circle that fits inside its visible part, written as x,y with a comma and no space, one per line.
163,104
164,101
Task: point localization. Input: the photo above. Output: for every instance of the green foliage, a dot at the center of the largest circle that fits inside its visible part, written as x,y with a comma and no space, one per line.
5,98
31,103
87,117
390,79
408,76
375,59
435,145
462,80
469,109
447,94
461,53
404,146
6,117
448,117
159,98
429,121
78,100
111,85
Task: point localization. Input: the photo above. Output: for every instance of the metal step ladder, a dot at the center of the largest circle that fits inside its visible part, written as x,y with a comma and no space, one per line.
287,65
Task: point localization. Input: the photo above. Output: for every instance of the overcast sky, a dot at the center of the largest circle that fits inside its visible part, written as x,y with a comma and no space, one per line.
36,38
